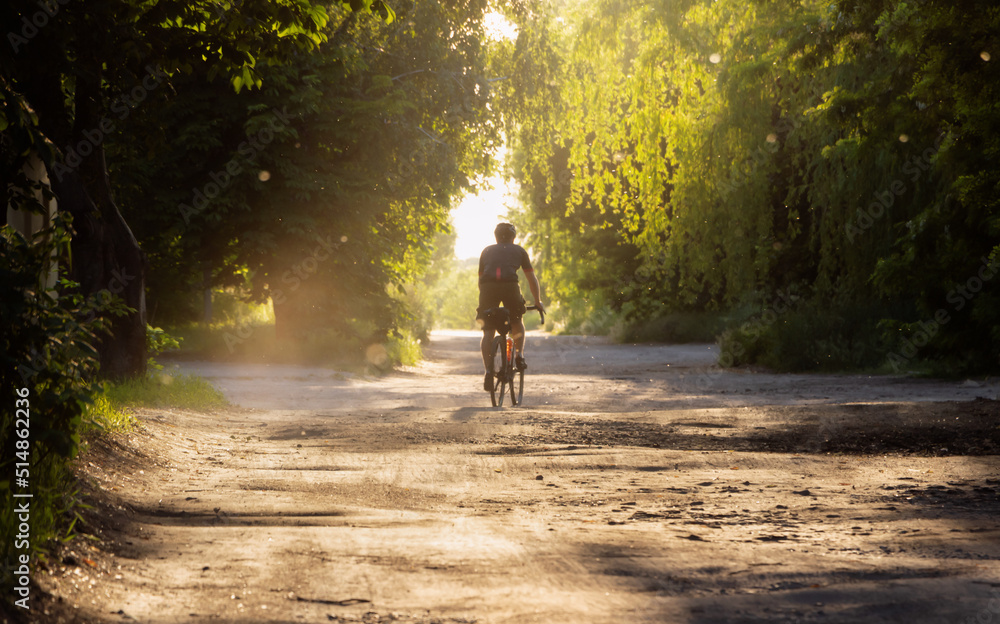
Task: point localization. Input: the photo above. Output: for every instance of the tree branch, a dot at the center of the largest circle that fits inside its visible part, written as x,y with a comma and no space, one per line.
415,71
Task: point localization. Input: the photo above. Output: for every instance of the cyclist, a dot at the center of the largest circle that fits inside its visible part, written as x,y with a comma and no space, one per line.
498,265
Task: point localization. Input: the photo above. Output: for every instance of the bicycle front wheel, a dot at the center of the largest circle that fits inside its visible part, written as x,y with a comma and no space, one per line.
516,386
499,360
515,378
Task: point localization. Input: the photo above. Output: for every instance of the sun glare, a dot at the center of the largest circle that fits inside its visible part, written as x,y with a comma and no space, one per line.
476,216
499,27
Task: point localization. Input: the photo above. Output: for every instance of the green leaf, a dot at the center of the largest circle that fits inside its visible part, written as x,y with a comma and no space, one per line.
384,11
381,82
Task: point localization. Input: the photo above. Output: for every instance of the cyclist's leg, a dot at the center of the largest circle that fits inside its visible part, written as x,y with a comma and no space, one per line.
488,298
515,303
487,346
517,333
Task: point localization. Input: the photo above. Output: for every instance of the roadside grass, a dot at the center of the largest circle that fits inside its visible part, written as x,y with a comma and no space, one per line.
164,390
809,337
103,416
112,410
246,332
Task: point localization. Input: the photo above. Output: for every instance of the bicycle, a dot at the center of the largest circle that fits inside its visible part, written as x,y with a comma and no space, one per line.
503,356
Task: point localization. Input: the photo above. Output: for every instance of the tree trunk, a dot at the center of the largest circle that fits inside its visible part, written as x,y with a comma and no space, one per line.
30,223
106,255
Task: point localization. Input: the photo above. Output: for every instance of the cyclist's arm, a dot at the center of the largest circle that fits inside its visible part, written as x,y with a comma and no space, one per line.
533,286
529,274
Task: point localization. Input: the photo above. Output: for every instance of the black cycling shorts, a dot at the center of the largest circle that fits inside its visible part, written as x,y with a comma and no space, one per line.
492,294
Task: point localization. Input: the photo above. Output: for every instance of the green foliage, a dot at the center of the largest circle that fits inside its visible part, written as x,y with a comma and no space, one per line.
404,349
331,181
158,341
86,88
677,328
304,153
47,362
455,297
807,339
720,152
448,292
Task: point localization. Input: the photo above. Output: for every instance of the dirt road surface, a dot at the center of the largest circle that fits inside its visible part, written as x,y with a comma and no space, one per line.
636,484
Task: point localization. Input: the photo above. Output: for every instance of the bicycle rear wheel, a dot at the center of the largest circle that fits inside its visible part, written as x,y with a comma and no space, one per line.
516,386
499,359
515,376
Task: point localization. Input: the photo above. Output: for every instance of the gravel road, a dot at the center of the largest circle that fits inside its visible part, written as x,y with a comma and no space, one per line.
638,483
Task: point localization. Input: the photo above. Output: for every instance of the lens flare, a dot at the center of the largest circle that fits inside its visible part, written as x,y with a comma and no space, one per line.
377,355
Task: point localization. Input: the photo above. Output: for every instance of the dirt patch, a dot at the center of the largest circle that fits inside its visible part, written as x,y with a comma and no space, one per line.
638,484
923,429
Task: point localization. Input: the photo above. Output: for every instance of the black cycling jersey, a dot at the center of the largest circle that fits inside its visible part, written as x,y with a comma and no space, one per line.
500,262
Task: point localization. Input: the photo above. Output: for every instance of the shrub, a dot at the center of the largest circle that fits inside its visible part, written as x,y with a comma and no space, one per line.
404,349
677,328
48,357
812,337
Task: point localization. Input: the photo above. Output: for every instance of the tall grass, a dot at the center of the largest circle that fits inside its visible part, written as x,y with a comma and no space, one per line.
104,416
164,390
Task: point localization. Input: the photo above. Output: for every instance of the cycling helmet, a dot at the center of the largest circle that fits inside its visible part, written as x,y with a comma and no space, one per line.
505,232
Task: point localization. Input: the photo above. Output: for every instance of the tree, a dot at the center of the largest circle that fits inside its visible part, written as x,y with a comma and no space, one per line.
327,184
836,150
83,69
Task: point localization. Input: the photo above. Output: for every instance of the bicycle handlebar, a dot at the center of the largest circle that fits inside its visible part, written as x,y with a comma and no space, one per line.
541,313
